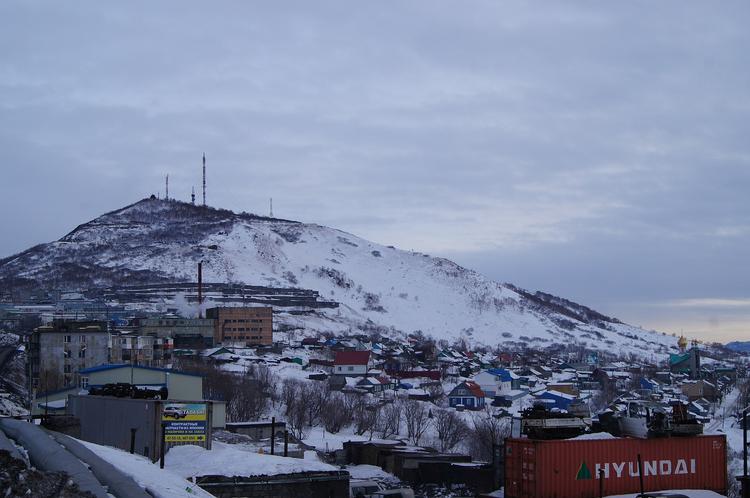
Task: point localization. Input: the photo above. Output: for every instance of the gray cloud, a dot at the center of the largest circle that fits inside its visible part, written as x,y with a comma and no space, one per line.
598,151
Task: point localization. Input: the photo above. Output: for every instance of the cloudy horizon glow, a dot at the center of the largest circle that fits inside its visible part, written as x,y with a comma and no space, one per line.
594,151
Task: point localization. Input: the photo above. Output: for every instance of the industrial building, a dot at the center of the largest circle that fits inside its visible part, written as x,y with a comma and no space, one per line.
242,325
179,386
192,333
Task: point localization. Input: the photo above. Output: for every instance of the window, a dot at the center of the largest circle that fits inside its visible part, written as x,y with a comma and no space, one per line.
81,338
351,369
66,338
339,369
66,369
84,382
66,353
82,353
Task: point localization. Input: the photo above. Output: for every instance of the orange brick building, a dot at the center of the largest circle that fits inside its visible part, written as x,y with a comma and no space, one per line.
251,326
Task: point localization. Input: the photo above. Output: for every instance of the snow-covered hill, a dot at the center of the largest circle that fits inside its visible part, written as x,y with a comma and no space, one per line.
157,241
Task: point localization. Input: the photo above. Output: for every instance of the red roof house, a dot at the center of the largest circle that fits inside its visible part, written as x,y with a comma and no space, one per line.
351,362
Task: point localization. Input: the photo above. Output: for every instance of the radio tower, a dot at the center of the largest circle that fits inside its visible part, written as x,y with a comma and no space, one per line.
270,214
166,196
192,196
204,179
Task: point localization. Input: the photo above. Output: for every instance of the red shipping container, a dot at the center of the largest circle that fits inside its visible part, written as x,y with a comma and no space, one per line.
572,468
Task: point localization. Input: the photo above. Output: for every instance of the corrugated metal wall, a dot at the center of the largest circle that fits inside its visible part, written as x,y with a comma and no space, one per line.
571,468
108,421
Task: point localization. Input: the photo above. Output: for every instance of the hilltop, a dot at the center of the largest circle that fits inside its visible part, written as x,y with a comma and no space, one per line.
378,288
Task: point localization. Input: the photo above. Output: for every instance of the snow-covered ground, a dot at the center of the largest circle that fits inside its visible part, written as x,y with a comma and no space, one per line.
161,483
326,441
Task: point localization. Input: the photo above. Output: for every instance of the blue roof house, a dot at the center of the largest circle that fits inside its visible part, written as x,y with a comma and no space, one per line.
556,399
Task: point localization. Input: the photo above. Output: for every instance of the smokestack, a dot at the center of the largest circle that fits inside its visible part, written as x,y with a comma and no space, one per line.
200,289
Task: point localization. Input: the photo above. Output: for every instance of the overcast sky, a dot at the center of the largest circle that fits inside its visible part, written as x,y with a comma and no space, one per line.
596,150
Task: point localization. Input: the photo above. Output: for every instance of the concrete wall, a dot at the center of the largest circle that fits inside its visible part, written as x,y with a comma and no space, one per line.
333,484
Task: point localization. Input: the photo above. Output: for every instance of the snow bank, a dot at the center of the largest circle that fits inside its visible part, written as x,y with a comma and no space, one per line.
235,460
596,435
162,483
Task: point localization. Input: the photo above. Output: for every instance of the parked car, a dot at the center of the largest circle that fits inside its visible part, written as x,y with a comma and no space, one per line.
175,411
394,493
363,488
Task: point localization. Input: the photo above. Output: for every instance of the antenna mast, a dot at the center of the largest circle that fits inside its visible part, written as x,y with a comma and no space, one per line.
166,196
204,179
270,215
192,196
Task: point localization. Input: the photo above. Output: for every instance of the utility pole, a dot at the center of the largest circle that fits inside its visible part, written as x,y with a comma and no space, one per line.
744,478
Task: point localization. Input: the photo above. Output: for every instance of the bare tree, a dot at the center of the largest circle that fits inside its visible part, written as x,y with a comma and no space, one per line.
364,415
435,390
450,429
295,407
389,420
315,395
246,395
334,414
416,418
487,431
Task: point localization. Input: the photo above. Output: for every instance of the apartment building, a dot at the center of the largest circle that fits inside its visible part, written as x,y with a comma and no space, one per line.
59,350
143,350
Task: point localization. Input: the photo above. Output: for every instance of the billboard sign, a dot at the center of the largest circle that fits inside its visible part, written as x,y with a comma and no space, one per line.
184,422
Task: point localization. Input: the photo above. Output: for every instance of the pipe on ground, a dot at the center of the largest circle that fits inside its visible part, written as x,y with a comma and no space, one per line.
119,484
6,445
46,454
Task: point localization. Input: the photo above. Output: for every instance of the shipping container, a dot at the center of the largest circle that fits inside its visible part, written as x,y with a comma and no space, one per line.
577,468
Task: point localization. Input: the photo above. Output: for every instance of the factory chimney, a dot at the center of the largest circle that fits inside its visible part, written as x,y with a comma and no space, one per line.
200,289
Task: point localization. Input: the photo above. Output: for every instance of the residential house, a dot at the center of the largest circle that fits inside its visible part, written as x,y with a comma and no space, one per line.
556,399
697,389
351,363
467,394
496,381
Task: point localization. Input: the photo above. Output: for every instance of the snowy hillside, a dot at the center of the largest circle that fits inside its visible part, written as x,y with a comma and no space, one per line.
157,241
